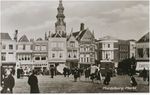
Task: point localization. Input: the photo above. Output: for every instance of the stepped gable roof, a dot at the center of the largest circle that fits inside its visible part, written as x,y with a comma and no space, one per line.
23,39
145,38
5,36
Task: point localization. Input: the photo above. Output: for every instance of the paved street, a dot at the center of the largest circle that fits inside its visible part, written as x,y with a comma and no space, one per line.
60,84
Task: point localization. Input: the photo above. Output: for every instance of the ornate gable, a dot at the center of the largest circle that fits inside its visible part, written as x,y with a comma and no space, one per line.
87,36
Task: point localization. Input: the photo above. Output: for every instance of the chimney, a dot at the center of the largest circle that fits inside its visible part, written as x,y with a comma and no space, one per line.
16,35
46,36
82,27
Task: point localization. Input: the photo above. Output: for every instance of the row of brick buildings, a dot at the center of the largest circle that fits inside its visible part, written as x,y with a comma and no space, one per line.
74,49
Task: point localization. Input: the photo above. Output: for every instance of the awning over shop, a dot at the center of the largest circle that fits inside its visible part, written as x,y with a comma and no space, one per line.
142,65
74,60
8,64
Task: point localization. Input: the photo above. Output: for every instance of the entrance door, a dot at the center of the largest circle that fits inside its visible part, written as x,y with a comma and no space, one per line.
38,70
73,64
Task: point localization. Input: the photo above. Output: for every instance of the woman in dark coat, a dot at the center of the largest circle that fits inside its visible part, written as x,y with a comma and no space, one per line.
52,72
107,78
144,74
64,71
9,83
18,73
87,73
33,82
76,74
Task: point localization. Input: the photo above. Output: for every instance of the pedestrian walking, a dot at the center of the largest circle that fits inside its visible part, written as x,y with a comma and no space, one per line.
21,72
33,82
9,83
18,73
92,72
64,71
5,84
144,74
87,73
2,75
107,78
148,77
133,81
76,74
52,72
79,73
98,76
55,70
148,81
68,72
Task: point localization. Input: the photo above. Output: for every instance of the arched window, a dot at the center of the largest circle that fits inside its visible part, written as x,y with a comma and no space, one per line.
37,58
25,58
60,55
43,58
69,56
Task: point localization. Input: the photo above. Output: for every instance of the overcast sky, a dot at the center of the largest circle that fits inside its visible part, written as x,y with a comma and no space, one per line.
120,19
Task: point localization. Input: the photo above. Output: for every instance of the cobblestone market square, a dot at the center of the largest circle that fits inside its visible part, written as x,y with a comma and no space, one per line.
61,84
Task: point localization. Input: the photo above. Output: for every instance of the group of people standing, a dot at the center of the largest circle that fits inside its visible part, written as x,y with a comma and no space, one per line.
93,72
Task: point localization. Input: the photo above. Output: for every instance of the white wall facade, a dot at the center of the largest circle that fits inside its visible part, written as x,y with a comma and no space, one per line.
72,49
40,54
108,49
57,50
24,55
8,53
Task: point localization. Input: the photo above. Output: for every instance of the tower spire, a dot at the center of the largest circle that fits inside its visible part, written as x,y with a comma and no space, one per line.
71,31
60,25
60,1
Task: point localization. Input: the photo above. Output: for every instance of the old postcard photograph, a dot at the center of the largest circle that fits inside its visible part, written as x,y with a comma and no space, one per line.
74,46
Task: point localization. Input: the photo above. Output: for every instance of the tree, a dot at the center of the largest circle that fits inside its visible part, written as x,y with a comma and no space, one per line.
127,66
